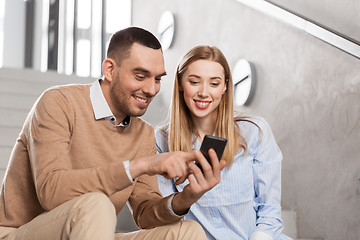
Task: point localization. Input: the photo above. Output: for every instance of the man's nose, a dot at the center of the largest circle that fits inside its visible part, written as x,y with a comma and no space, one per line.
151,88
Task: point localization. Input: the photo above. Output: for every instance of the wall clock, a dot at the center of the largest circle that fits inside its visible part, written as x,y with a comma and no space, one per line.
166,29
244,81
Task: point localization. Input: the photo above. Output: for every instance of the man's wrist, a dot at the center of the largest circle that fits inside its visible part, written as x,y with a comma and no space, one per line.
171,208
136,168
180,203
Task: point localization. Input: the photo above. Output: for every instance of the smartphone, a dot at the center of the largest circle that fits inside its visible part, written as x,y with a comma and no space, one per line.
216,143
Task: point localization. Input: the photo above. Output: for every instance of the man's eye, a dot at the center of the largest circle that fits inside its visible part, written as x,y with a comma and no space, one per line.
139,76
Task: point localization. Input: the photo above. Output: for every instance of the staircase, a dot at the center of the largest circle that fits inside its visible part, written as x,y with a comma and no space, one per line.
19,89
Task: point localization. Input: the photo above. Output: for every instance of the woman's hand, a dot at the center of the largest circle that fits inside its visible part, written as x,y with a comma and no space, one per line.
199,182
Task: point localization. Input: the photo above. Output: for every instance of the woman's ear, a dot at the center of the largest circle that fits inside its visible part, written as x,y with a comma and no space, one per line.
108,68
180,85
225,87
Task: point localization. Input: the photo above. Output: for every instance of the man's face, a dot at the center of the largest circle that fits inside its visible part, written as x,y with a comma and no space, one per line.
136,81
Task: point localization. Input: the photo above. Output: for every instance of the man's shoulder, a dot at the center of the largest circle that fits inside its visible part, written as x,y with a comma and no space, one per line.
67,93
68,88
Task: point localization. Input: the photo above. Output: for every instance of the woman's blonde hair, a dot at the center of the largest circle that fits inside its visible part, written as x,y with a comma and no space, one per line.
181,127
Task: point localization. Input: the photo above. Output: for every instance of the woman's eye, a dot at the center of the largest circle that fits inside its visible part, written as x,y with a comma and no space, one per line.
214,84
193,82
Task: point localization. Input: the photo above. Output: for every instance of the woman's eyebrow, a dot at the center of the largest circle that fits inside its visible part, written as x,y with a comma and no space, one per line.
212,78
216,78
193,75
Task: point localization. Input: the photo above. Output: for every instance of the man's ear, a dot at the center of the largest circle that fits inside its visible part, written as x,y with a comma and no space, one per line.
108,68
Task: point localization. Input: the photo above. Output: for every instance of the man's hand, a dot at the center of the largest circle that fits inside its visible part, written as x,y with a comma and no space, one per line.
199,182
170,165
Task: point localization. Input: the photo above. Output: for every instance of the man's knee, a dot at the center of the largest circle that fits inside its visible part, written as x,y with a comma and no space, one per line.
95,203
191,225
186,229
194,228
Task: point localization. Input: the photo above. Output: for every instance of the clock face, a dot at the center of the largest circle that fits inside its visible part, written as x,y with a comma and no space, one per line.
243,82
166,29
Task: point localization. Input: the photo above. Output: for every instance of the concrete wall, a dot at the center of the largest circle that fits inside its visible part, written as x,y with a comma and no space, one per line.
308,91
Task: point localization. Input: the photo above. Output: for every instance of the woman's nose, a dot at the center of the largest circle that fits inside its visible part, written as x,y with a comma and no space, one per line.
203,91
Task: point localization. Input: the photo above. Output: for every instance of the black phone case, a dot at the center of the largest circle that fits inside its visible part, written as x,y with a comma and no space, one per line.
216,143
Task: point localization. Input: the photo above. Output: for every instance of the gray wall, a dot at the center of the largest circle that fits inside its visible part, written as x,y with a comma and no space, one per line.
308,91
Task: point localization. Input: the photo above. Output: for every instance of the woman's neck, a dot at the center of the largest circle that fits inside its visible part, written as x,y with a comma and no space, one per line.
204,125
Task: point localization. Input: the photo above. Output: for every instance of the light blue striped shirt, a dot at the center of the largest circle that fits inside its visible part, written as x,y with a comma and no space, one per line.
247,199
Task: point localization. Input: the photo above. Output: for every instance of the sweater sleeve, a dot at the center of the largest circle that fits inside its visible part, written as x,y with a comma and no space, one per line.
150,209
51,123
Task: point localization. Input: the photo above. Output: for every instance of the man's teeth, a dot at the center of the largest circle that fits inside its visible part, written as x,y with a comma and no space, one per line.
141,99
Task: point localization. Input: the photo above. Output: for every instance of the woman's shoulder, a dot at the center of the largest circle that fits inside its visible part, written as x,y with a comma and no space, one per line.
253,128
162,130
161,135
250,121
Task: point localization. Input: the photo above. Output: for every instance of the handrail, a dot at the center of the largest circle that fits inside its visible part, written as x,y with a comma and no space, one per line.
323,33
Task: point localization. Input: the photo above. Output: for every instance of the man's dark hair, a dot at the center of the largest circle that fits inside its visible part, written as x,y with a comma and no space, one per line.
121,42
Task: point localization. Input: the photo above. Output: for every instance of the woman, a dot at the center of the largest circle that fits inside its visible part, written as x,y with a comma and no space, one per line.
246,202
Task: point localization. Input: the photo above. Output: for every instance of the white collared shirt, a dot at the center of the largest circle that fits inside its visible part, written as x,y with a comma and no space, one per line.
101,108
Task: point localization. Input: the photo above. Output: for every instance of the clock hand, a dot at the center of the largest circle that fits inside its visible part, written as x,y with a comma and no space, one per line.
243,79
164,30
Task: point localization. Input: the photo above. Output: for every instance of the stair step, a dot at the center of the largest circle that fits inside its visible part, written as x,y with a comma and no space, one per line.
289,222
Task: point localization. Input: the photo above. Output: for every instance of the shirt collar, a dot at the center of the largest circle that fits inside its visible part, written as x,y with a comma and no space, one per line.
100,106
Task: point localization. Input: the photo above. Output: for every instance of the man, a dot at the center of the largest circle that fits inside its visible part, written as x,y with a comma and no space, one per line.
83,153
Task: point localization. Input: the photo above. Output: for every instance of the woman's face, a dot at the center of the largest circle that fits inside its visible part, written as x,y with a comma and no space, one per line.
203,84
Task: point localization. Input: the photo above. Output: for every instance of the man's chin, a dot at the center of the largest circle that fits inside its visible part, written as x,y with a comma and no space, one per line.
138,113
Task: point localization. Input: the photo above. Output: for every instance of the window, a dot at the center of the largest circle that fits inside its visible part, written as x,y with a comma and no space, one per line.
74,33
2,13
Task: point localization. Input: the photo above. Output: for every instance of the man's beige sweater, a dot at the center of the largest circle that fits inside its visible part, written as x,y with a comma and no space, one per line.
63,152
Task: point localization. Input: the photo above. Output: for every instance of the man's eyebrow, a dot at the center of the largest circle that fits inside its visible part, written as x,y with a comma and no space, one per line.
161,75
147,72
143,70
